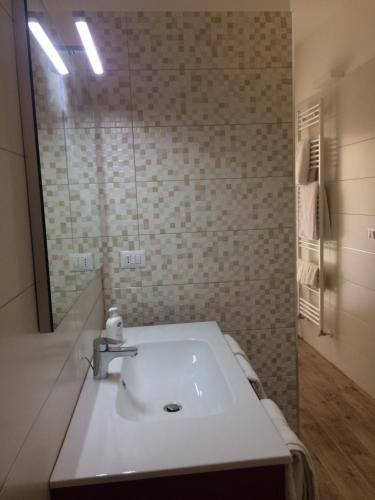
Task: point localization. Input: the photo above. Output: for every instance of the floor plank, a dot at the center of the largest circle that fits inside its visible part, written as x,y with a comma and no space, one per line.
337,424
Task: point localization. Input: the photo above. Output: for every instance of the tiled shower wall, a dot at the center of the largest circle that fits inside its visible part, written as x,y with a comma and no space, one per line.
184,149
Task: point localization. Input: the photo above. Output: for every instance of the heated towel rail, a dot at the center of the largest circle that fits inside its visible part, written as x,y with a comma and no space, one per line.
311,300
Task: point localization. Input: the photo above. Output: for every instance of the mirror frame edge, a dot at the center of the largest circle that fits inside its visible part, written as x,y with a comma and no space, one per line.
32,164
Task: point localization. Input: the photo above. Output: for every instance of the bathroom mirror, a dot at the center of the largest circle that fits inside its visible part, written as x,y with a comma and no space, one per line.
71,160
77,115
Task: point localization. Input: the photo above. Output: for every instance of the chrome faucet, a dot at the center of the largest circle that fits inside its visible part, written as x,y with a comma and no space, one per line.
106,349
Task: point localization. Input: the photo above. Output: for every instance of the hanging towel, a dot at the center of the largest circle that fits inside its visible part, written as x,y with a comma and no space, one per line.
251,375
308,226
245,364
234,345
302,162
300,481
308,211
307,273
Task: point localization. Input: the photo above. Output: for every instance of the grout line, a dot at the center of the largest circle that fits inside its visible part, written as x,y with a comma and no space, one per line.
15,297
124,237
133,140
352,213
141,68
191,125
6,150
133,152
351,179
259,329
49,393
341,278
356,250
9,14
369,139
258,280
195,179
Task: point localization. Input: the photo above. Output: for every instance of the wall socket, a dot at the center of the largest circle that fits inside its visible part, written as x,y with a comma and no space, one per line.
132,259
81,261
371,234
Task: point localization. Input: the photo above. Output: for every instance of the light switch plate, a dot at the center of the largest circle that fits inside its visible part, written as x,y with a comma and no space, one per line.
132,259
81,262
371,233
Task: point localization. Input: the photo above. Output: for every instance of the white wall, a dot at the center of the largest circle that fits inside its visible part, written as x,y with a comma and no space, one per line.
40,374
346,42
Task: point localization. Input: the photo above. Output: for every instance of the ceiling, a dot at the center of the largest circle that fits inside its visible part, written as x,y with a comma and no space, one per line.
309,15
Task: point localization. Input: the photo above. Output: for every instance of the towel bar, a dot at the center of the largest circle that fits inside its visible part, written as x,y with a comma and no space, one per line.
311,118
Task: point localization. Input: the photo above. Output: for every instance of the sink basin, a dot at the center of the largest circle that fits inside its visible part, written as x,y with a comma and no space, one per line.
182,374
122,433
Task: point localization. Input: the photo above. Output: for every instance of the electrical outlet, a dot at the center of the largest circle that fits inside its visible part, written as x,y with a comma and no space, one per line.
132,259
371,234
81,261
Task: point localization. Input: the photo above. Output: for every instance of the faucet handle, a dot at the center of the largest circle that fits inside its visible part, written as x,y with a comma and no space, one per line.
105,344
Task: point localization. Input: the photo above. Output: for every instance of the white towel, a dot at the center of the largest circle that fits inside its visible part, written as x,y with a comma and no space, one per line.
308,211
251,375
300,475
245,364
302,162
307,273
234,345
308,226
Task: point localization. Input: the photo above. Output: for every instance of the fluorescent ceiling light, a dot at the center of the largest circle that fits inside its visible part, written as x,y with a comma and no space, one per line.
46,44
89,45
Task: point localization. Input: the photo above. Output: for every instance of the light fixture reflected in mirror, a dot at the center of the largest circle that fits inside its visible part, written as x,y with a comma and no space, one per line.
88,43
46,44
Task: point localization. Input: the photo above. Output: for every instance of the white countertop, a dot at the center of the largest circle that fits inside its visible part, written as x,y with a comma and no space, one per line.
102,446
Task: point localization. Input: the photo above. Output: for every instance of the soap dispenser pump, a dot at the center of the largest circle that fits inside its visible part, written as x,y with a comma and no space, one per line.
114,324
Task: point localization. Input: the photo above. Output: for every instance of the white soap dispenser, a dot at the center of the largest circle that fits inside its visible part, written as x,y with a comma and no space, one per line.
114,323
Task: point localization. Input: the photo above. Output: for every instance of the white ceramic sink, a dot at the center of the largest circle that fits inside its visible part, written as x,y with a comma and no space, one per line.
120,434
183,373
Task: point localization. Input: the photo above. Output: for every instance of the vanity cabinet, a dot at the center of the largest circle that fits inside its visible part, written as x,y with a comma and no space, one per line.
258,483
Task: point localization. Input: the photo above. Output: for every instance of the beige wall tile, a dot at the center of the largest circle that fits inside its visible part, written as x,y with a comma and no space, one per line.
31,363
209,40
16,266
10,125
214,205
354,196
21,393
213,152
357,267
351,347
355,300
199,97
257,344
28,478
7,6
351,231
234,305
356,160
206,257
356,106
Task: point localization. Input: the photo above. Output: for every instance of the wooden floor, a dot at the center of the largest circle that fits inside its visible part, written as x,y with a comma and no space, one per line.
337,424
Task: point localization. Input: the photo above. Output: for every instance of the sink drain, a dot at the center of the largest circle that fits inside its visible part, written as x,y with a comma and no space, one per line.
172,407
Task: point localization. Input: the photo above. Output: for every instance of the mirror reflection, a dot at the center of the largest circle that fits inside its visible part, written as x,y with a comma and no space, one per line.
82,102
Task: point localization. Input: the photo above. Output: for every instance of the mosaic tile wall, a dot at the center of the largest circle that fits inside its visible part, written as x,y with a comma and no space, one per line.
72,218
182,148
